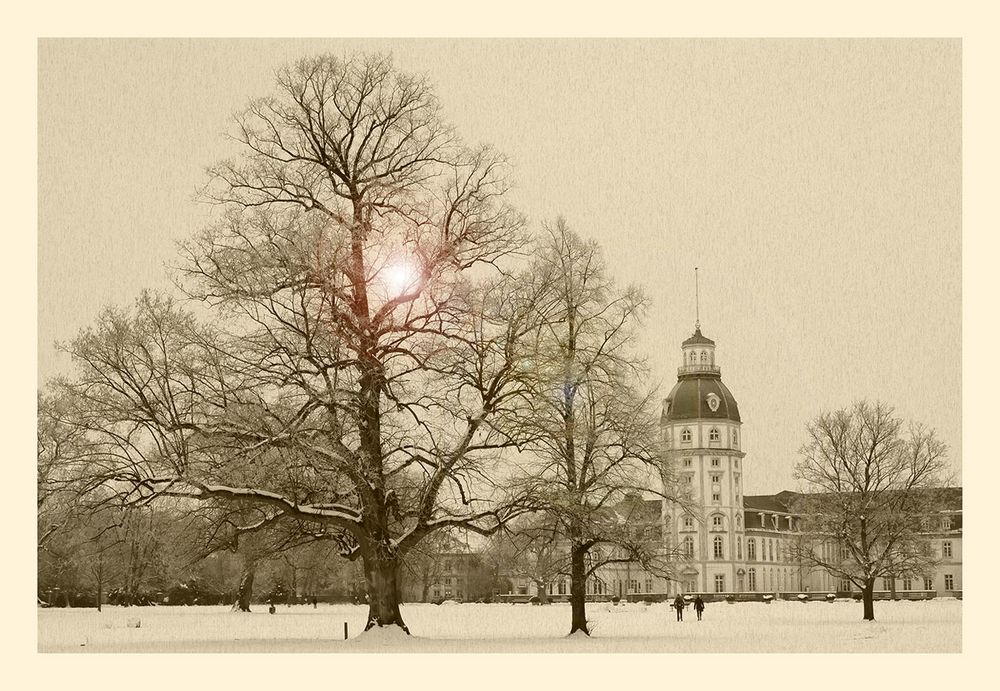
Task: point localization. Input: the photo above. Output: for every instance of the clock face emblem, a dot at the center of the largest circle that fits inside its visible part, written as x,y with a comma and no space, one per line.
713,402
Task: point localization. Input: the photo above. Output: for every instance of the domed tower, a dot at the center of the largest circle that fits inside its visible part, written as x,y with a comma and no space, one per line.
701,433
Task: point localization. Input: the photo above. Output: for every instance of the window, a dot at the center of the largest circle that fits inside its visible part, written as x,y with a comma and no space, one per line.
687,462
716,478
633,586
949,582
688,480
739,522
562,587
739,549
689,585
770,550
717,521
736,463
946,549
720,583
704,356
752,580
694,357
928,583
716,497
845,585
751,548
907,583
715,462
688,523
736,439
649,585
689,547
717,547
713,434
946,523
886,584
437,592
685,436
521,589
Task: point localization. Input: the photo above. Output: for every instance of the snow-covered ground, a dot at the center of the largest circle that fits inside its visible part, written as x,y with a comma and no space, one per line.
933,626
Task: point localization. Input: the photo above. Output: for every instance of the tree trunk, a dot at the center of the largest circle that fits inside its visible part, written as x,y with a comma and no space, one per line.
868,597
382,578
245,591
892,587
543,592
578,590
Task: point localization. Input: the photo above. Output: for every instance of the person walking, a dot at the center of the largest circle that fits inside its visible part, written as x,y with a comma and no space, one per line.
699,606
679,606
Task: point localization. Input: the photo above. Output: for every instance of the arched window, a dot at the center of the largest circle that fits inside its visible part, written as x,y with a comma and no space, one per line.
717,547
689,547
717,521
751,548
694,357
752,579
704,356
686,436
713,434
739,549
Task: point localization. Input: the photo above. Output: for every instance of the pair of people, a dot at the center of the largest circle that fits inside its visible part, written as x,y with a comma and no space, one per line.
679,604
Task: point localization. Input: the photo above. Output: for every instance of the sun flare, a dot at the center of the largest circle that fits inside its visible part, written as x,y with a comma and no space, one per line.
400,277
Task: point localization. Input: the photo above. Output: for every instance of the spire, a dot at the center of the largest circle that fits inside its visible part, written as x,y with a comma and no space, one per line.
697,314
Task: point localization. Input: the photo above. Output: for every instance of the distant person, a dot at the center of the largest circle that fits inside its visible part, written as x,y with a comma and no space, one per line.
679,606
314,602
699,606
270,608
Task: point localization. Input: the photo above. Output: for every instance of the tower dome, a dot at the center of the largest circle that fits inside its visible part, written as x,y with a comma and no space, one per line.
699,391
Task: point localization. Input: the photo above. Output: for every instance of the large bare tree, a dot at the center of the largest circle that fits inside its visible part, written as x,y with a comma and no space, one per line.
588,422
872,480
362,342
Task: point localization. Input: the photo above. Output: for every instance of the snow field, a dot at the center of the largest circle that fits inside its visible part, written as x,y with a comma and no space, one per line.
933,626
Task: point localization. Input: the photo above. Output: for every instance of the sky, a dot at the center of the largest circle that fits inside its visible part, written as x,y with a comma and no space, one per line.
815,183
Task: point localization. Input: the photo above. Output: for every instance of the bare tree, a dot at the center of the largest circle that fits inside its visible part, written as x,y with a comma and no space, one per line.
353,368
588,424
531,549
872,479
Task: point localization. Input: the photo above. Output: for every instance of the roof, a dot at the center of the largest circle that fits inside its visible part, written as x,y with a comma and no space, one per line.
948,499
698,339
689,399
638,510
764,502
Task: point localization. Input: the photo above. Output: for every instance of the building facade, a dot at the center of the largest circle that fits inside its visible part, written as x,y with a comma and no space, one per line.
724,542
733,543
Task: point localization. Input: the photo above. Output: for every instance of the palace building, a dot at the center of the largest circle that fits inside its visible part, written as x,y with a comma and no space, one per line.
729,542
